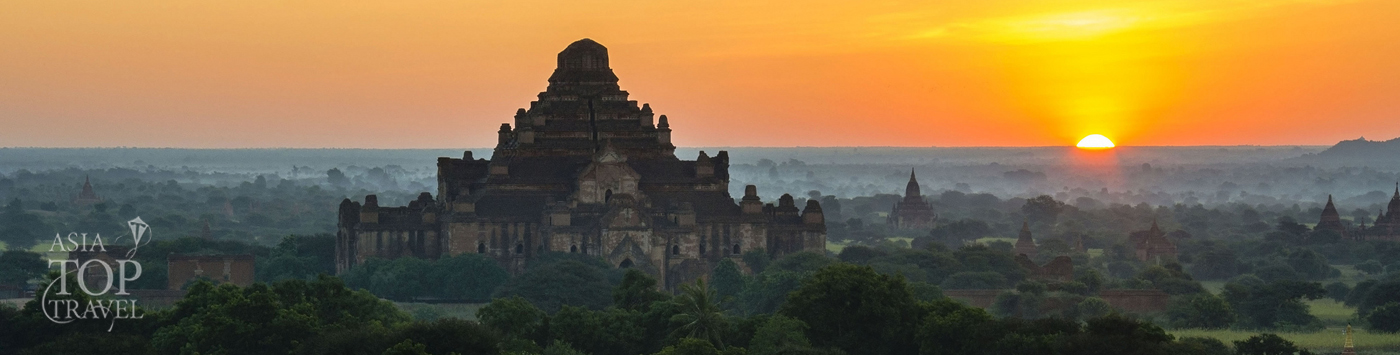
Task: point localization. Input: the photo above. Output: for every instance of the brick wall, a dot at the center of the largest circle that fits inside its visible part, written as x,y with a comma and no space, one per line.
236,269
1135,301
975,298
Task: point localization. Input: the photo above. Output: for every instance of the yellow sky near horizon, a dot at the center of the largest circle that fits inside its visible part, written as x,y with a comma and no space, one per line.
413,74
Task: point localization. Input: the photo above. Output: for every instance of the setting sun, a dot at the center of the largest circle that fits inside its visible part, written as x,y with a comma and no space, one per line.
1095,141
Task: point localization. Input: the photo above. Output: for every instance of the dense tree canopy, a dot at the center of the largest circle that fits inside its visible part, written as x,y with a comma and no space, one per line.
263,318
20,229
1201,310
18,267
1275,304
857,310
572,281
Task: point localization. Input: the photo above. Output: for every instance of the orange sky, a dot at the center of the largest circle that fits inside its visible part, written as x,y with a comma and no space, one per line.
429,74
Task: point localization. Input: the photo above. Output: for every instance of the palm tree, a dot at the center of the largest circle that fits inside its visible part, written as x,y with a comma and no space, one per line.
701,318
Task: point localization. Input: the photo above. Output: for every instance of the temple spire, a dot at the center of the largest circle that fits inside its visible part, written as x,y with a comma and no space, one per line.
1394,207
87,195
912,212
1024,243
912,189
87,187
1330,220
1330,210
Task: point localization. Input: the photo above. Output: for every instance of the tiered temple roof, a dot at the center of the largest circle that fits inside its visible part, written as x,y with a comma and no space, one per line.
583,169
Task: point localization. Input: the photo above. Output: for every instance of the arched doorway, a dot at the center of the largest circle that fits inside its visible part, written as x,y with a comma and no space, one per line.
626,263
481,248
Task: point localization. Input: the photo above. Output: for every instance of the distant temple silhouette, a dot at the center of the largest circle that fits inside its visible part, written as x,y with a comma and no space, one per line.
912,212
1385,227
583,170
1152,244
87,196
1025,245
1331,220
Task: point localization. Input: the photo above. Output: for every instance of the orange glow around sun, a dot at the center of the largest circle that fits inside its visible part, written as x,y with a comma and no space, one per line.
1095,141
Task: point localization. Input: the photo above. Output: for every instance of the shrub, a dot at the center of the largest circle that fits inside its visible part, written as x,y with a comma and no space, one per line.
1201,310
1338,291
1385,318
1267,344
1094,307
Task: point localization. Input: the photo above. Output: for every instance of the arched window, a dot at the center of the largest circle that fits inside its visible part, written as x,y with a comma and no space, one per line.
573,248
626,263
481,248
607,196
736,249
520,248
675,250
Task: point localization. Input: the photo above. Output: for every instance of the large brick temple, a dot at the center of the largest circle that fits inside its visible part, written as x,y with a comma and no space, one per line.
583,170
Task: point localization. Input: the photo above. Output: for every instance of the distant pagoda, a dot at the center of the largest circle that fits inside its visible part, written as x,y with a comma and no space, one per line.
1025,245
1152,244
912,212
1331,220
87,196
1385,227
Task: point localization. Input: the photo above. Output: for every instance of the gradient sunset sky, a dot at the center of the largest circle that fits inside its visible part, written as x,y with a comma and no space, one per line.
439,74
